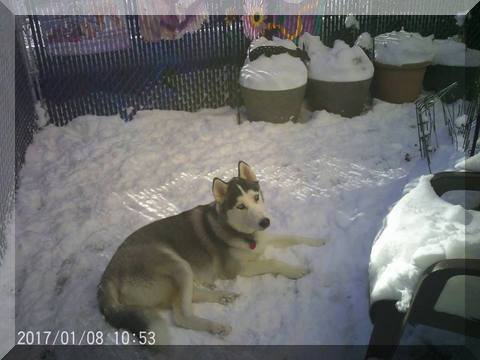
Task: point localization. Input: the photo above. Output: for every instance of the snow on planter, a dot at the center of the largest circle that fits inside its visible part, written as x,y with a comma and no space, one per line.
273,87
341,63
365,41
403,48
339,77
277,72
401,59
453,62
419,231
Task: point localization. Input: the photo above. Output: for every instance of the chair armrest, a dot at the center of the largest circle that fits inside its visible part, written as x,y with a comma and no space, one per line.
430,286
455,180
442,271
453,267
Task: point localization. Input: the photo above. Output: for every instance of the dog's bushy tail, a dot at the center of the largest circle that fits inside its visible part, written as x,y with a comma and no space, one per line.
132,318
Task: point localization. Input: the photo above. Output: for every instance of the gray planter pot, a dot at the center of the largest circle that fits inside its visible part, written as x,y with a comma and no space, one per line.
275,106
347,98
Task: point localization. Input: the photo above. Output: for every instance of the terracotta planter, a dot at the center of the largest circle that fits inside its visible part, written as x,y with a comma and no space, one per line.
276,106
438,77
344,98
398,83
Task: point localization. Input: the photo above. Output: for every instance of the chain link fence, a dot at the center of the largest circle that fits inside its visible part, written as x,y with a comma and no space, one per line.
200,70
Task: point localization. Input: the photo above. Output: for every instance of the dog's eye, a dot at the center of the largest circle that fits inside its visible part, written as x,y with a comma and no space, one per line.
257,197
241,207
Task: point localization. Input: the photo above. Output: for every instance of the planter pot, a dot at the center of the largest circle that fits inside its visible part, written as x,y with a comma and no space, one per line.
344,98
276,106
398,83
438,77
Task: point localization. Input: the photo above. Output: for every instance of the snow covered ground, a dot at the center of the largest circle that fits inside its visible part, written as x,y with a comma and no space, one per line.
86,186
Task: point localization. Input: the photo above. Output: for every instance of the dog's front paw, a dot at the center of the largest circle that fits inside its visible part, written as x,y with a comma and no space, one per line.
220,329
227,298
295,272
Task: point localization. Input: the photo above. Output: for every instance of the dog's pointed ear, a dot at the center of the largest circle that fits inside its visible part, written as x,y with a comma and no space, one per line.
219,189
246,172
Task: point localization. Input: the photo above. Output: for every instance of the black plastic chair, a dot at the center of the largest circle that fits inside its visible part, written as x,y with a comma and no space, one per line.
389,323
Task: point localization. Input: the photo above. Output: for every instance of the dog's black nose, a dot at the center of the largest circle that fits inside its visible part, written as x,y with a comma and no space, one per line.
265,222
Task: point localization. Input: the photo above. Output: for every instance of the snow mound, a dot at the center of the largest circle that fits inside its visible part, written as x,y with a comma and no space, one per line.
451,52
341,63
402,48
470,164
420,230
277,72
365,41
352,22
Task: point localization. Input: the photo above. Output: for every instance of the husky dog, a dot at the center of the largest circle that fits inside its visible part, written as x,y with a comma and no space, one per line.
174,262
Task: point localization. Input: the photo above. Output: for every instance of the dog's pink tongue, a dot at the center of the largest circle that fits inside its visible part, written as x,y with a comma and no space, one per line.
253,245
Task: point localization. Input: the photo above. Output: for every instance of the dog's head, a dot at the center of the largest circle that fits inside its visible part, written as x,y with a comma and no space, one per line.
241,201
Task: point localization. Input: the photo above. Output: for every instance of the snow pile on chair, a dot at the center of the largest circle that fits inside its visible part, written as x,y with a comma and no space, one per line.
419,231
